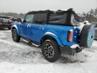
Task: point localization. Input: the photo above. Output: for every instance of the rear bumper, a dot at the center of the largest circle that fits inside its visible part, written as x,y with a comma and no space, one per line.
71,50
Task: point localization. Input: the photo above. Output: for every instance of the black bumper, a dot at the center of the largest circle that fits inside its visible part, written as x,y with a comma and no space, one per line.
70,51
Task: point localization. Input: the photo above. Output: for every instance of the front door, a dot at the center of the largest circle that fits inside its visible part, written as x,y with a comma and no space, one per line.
26,25
32,30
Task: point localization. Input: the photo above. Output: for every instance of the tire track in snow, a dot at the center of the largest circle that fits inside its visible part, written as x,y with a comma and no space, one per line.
11,43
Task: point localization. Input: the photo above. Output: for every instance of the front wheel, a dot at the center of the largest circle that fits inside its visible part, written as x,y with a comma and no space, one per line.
50,50
15,36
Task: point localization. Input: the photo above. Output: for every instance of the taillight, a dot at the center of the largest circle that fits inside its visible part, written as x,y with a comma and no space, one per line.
70,36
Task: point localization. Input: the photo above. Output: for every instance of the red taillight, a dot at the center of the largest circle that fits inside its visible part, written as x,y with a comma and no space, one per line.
70,36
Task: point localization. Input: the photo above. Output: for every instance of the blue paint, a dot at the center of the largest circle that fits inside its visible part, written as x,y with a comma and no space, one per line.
36,32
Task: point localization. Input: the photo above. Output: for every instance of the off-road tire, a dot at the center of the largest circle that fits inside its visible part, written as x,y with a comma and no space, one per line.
15,36
50,50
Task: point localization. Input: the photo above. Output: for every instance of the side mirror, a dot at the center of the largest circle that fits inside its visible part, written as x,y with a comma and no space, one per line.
24,21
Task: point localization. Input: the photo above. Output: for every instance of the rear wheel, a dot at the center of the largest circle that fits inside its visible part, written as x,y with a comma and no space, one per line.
15,36
50,50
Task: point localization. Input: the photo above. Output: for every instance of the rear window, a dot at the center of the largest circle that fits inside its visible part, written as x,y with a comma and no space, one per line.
75,20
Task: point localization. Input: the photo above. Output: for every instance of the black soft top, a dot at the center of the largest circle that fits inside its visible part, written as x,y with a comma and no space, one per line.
40,12
52,12
49,16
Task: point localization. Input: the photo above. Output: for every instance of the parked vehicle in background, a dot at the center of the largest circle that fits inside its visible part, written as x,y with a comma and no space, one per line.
5,22
57,32
16,19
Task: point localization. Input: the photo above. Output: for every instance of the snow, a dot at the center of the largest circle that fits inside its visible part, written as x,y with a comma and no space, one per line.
22,58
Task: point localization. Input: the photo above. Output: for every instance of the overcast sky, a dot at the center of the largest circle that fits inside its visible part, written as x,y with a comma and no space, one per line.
23,6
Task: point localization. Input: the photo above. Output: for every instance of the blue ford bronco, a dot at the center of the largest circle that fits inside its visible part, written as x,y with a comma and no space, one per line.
56,32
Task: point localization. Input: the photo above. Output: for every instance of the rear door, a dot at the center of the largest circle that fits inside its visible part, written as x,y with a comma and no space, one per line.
36,26
32,30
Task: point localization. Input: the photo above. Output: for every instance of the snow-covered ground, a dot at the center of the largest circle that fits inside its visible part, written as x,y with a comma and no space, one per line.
22,58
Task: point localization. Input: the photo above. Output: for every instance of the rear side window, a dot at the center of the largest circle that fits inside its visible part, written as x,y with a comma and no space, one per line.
60,19
29,18
40,18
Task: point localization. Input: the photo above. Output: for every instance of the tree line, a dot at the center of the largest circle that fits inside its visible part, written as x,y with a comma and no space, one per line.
91,15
